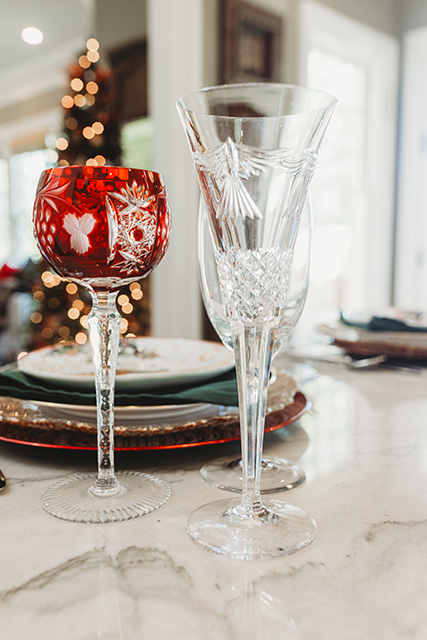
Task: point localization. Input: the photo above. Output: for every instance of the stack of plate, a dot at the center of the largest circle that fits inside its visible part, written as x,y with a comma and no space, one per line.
362,342
143,365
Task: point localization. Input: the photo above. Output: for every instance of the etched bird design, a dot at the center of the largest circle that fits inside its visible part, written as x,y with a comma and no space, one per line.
230,164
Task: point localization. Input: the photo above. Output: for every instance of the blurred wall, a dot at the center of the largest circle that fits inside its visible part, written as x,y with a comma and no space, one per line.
119,22
383,15
413,14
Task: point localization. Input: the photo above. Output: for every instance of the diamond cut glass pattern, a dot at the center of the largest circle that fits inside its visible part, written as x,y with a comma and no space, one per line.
254,283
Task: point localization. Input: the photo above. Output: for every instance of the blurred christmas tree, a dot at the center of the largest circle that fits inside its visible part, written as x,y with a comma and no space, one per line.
59,308
91,132
90,136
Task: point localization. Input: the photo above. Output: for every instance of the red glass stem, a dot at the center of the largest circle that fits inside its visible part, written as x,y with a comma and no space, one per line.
104,332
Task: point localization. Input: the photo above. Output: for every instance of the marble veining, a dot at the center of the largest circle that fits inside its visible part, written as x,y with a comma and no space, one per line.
364,448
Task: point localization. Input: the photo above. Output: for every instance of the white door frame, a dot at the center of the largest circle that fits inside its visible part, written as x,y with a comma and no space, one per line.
379,54
176,58
411,237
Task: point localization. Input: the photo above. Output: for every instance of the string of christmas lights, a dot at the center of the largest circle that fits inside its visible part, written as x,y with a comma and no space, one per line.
91,134
60,311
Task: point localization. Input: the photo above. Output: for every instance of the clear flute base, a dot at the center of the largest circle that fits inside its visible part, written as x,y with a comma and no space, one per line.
277,474
139,494
280,529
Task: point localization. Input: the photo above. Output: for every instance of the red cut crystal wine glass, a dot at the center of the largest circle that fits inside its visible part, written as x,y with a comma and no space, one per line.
103,227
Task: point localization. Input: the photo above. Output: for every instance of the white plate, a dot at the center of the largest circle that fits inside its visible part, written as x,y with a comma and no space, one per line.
144,363
126,416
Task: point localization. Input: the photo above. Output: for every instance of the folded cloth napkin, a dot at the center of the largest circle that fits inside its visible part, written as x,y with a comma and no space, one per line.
378,323
220,390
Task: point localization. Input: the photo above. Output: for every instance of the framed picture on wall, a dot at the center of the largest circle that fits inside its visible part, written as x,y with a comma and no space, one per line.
250,41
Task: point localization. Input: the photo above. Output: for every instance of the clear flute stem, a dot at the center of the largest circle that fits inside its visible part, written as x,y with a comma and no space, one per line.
253,348
104,333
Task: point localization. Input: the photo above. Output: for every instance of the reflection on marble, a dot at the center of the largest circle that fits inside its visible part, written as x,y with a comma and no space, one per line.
364,447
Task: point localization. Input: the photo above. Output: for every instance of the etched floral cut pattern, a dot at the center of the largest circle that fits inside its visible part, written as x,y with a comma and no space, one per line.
254,283
45,227
132,220
102,227
230,164
79,230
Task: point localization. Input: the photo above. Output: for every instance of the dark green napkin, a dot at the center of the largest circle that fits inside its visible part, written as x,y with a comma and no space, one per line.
219,390
378,323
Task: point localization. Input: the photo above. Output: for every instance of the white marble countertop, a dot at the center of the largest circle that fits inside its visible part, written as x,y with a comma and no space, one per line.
364,448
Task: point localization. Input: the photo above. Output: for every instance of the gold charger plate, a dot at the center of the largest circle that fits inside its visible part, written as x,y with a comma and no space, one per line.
25,422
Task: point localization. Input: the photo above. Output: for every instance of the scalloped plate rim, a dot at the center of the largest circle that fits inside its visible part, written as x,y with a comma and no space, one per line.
218,360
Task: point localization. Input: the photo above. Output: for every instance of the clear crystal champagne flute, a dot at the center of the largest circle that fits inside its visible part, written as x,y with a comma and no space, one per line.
255,149
277,474
103,227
